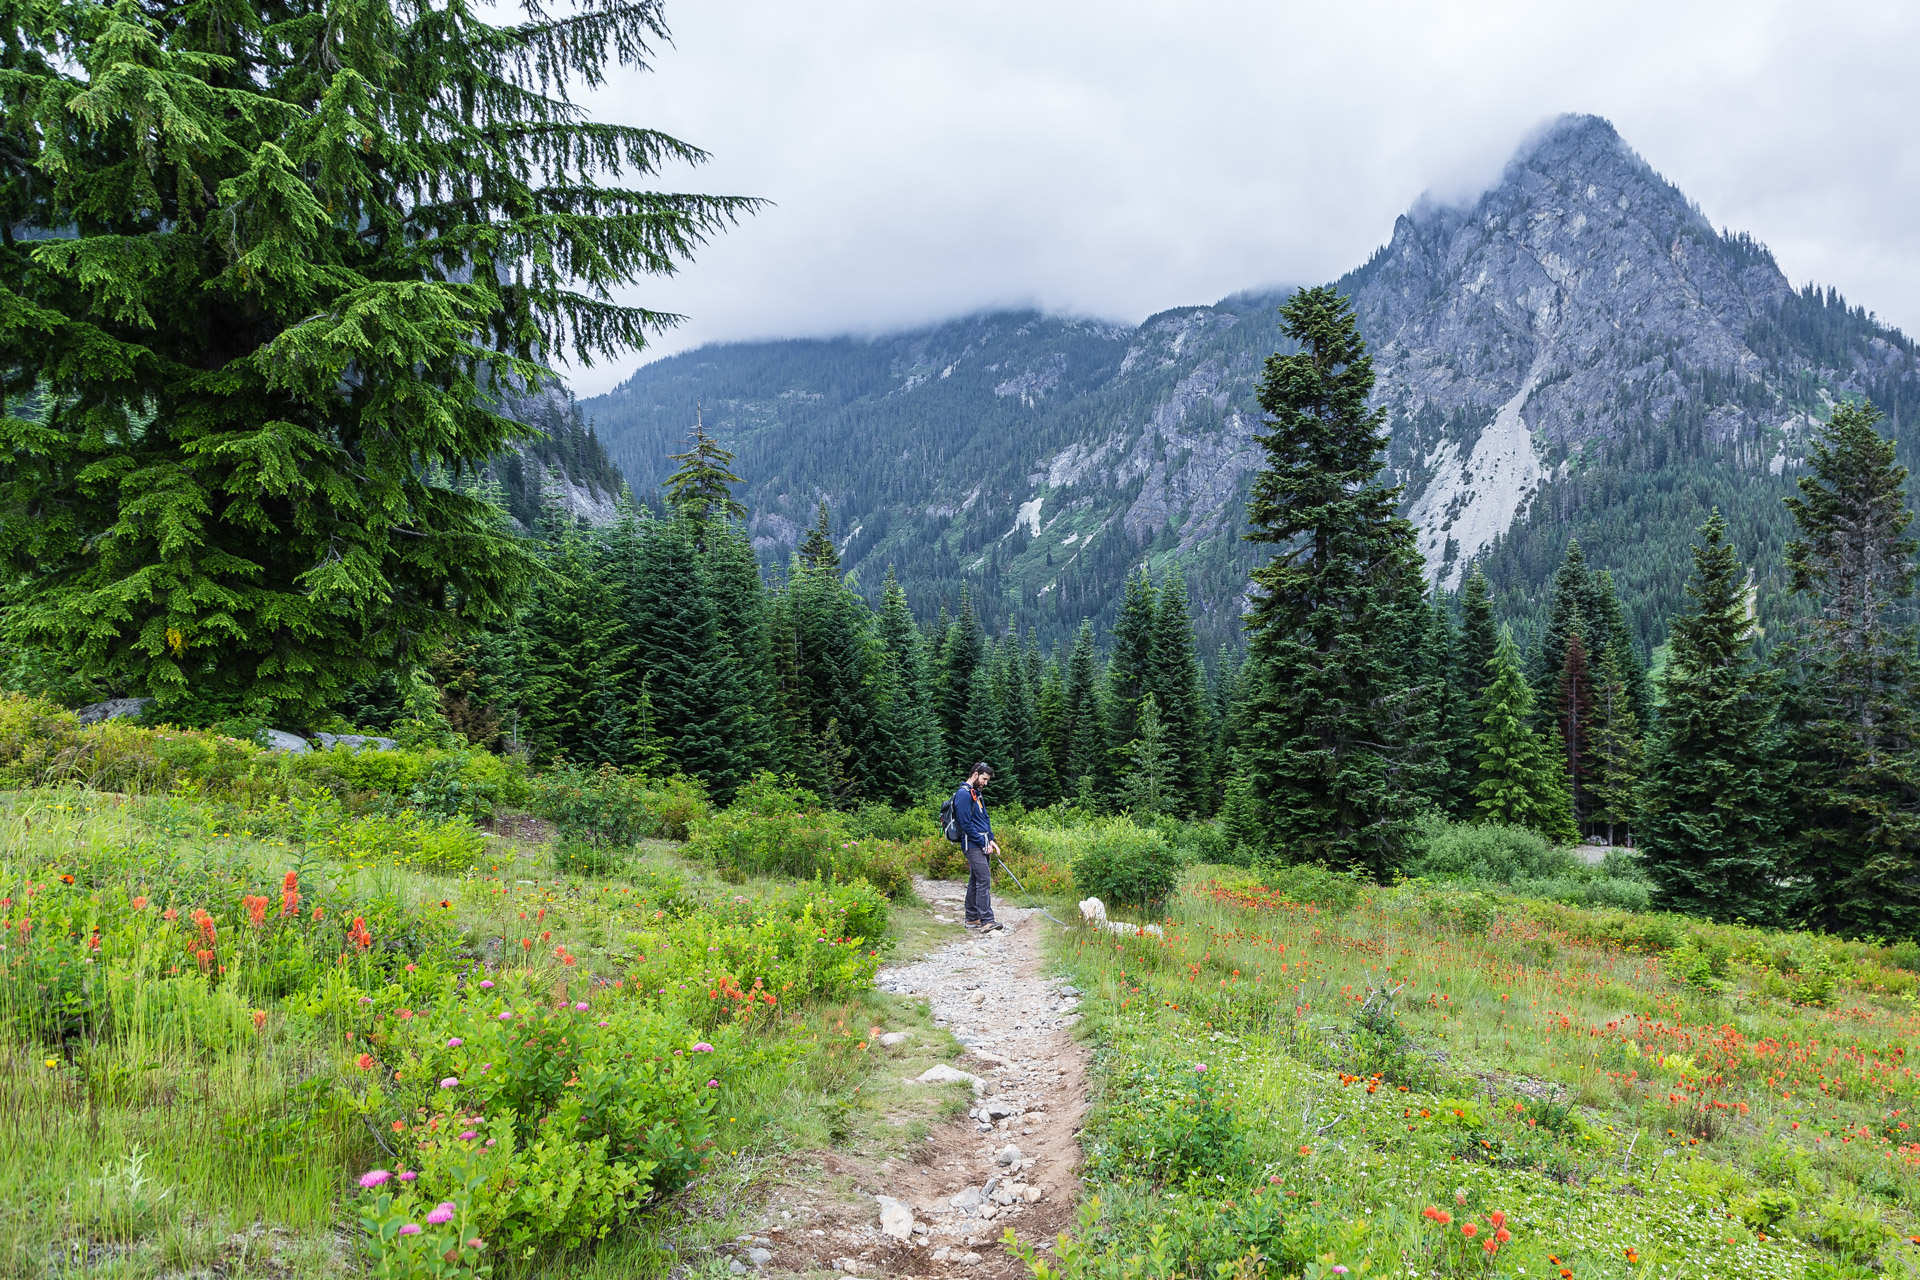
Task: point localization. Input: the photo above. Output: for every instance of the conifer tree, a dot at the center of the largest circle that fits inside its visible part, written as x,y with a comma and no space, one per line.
1055,726
961,650
570,636
1085,716
1178,687
1707,801
1612,635
740,613
1616,753
1854,797
1152,765
701,487
1130,663
907,649
1517,779
1452,744
274,276
688,668
1573,704
983,736
817,550
1479,637
1569,599
1327,743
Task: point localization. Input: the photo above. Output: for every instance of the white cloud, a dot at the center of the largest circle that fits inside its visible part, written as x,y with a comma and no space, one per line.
930,157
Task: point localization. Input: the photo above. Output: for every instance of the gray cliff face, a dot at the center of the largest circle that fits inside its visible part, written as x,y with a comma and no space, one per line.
1576,297
1568,352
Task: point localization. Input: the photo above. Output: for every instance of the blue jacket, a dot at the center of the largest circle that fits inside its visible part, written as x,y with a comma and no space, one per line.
971,815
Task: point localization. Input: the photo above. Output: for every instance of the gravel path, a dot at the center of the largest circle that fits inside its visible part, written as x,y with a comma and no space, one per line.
1012,1162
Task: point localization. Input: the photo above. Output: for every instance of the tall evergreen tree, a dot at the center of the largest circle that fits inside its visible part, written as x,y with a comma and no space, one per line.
1178,687
271,276
1130,663
907,649
1151,778
961,650
701,487
1569,599
1327,745
1707,801
1479,637
688,669
1088,734
1451,747
1610,634
1573,708
1855,791
1616,753
817,549
1516,777
740,612
569,632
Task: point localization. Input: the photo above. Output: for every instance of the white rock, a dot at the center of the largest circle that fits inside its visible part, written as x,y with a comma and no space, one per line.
759,1257
737,1267
1032,1192
988,1210
977,998
281,740
1007,1157
896,1219
967,1201
969,1258
112,709
893,1038
940,1254
356,741
941,1073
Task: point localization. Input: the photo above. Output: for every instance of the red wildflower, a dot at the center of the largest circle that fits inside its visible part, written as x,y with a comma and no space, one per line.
290,893
358,934
364,1062
206,960
1469,1230
140,903
256,905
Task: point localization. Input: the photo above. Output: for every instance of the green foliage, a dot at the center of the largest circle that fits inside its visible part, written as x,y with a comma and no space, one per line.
261,345
1853,792
1708,801
606,806
1122,863
1517,781
1333,724
1168,1125
1488,851
775,828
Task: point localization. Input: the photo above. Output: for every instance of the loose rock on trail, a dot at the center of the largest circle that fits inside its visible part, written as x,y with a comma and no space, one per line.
1010,1163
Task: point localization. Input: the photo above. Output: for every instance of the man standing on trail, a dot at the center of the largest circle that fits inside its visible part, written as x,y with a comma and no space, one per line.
979,846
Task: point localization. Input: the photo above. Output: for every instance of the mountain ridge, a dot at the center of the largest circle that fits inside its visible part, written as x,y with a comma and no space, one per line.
1576,349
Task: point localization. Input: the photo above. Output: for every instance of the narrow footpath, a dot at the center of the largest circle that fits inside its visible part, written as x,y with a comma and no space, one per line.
1012,1161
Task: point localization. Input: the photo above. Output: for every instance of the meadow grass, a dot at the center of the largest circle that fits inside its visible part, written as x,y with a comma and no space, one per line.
219,1116
1462,1053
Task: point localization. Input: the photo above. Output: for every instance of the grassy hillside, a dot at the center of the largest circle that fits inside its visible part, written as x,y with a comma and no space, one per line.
350,1013
1389,1079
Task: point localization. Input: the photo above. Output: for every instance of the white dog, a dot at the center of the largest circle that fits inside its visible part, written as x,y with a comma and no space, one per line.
1094,912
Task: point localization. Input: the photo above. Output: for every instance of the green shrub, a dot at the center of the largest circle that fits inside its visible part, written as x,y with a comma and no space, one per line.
1308,882
1700,963
598,806
1168,1125
403,838
1854,1233
573,1114
1122,863
904,826
774,828
677,803
1766,1208
1485,851
733,966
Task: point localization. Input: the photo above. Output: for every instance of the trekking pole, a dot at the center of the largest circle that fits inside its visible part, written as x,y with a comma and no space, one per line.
1023,888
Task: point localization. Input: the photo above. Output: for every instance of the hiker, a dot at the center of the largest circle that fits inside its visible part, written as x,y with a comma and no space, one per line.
978,845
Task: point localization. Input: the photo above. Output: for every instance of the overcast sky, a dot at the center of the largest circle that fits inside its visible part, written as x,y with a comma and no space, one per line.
933,157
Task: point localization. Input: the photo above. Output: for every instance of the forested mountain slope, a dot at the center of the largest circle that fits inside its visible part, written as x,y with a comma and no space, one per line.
1577,353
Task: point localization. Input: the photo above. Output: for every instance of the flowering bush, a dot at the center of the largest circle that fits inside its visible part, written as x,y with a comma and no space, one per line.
561,1118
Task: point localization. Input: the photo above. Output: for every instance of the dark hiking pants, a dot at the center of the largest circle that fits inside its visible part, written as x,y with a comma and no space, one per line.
979,885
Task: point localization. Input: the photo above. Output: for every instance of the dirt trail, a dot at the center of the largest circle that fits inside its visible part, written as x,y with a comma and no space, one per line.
1013,1161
